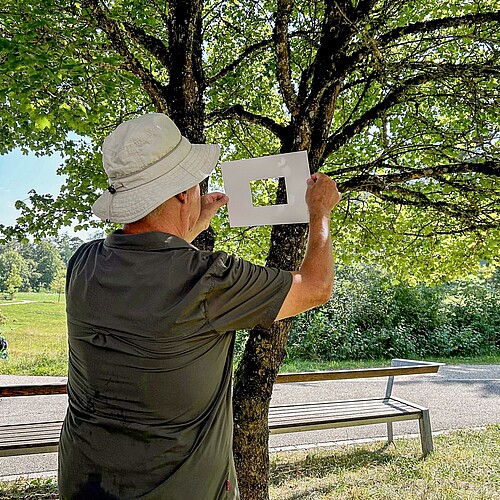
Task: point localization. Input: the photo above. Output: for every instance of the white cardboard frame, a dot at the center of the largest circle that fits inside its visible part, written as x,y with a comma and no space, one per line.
294,167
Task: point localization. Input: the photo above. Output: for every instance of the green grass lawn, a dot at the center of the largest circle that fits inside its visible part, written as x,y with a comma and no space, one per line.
36,333
464,465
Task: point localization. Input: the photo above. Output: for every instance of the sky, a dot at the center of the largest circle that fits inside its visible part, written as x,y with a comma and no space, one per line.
19,174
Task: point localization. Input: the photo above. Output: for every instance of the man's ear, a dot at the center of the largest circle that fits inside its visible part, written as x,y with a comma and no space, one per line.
182,197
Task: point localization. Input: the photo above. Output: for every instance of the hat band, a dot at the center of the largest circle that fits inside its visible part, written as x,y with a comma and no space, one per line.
155,170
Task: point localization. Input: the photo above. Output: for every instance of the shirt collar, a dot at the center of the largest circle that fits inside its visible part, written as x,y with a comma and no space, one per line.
145,241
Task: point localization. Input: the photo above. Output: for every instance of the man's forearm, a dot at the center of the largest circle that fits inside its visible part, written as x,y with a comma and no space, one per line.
318,264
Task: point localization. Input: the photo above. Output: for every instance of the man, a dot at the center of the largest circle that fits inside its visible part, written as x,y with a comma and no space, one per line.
150,356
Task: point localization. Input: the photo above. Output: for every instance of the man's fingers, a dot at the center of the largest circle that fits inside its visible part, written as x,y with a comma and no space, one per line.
215,197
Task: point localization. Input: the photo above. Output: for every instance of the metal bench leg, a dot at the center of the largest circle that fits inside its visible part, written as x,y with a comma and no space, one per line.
390,433
425,432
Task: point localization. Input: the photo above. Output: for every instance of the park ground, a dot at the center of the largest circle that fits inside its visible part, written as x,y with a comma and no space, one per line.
464,465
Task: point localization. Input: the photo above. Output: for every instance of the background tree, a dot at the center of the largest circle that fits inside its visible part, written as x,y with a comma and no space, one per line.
24,268
48,263
396,100
66,245
13,282
58,283
38,263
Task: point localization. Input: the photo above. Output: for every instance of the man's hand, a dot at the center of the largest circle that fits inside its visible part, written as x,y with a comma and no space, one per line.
322,194
210,204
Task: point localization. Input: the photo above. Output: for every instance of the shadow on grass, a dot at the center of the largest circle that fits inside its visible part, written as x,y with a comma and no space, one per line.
316,465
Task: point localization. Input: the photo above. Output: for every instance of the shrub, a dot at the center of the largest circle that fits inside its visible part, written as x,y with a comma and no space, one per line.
369,317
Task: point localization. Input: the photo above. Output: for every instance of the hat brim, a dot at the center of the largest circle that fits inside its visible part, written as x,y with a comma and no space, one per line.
131,205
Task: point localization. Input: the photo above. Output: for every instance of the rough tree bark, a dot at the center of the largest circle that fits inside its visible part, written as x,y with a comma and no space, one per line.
311,118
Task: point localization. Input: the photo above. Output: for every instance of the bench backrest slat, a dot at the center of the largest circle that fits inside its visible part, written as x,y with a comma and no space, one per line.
33,390
408,368
283,378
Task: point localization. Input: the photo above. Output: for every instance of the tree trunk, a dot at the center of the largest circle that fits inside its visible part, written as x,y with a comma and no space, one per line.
187,80
185,90
255,376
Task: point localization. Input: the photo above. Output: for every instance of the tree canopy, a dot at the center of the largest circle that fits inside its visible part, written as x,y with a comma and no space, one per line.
35,264
397,101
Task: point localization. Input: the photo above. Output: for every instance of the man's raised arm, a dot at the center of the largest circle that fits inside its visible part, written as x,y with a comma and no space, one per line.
312,283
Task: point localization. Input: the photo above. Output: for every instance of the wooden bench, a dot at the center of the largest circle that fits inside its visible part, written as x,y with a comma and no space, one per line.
346,413
33,437
43,437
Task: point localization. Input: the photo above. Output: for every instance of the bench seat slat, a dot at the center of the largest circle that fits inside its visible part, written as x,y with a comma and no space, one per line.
22,439
332,414
33,442
384,406
315,426
340,407
24,434
324,415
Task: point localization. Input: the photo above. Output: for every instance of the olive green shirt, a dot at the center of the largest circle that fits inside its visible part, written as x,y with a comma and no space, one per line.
150,366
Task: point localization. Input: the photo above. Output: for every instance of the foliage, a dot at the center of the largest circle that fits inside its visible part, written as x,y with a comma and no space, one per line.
370,317
36,331
67,245
402,111
24,268
58,283
36,264
13,282
48,263
33,489
397,100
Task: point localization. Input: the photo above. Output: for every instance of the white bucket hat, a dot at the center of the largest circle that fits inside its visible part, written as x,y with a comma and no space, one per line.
148,161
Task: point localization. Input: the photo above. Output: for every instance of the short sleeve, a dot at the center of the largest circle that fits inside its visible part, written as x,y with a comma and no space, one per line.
243,295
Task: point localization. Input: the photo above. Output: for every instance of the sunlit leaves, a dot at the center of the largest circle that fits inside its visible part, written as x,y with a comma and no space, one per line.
415,91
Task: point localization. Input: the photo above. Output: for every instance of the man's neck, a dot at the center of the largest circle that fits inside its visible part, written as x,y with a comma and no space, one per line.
155,224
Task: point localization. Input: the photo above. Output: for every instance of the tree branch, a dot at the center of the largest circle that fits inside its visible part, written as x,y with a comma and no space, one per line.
237,111
153,45
337,140
420,27
340,23
282,47
408,197
437,24
376,183
233,65
112,30
433,72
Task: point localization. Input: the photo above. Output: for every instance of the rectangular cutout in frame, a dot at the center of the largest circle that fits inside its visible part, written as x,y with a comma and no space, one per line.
238,176
265,192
